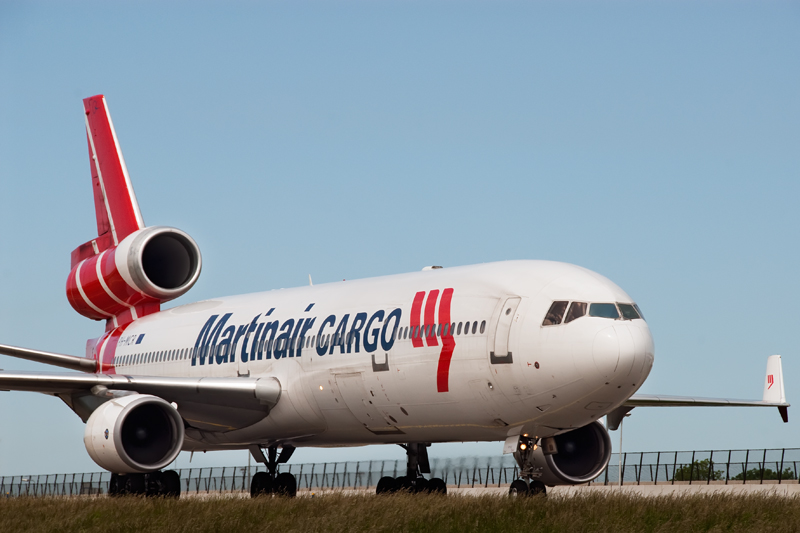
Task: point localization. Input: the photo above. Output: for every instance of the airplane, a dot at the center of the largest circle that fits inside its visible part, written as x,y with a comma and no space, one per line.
530,353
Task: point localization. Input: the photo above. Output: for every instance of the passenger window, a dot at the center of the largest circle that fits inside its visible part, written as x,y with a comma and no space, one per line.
474,327
459,328
576,310
483,326
603,310
628,311
555,314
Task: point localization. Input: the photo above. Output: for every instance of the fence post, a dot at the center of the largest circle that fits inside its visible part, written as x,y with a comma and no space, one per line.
780,470
674,467
641,459
691,469
728,468
658,460
763,466
622,474
744,472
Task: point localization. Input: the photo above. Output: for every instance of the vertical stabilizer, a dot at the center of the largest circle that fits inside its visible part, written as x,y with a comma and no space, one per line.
773,385
116,208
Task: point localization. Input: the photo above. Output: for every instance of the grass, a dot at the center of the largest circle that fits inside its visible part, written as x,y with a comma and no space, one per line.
405,512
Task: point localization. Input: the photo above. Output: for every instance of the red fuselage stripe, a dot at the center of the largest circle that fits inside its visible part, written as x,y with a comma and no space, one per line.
448,343
416,312
430,318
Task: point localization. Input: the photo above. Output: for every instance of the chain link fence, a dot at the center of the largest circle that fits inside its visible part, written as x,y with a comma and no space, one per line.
709,467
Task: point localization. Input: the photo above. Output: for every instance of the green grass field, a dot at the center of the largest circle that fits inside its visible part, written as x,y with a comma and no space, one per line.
404,512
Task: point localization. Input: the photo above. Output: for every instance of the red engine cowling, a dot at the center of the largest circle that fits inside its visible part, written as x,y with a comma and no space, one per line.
150,266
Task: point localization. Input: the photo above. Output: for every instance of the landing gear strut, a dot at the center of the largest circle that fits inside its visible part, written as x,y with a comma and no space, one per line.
527,485
271,482
166,484
416,464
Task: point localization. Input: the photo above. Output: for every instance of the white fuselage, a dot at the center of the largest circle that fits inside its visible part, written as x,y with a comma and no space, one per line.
351,374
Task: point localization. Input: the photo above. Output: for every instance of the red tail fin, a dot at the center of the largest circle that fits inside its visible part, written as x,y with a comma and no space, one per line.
116,208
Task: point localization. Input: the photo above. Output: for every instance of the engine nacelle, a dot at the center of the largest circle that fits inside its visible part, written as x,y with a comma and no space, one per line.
582,455
135,433
150,266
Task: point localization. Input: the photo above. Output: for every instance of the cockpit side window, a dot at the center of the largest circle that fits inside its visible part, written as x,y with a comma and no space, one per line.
628,311
555,314
603,310
638,311
576,310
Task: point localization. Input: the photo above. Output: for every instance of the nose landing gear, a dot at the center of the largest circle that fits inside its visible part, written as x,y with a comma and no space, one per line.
271,482
527,485
416,464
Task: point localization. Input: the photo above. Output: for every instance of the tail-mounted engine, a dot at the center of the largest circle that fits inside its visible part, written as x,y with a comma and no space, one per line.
135,433
150,266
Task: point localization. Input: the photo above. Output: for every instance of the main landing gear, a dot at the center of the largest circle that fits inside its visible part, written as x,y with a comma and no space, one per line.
526,486
271,482
417,464
166,484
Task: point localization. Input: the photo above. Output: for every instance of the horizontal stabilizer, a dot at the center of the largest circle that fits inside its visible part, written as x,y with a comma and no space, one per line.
72,362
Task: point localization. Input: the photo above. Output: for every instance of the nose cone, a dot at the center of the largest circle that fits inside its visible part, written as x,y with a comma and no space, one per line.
624,350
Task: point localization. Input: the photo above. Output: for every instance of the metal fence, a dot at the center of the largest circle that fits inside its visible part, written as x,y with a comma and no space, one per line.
707,467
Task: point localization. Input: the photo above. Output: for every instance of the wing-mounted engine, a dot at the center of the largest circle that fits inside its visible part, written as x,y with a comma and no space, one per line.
571,458
134,433
150,266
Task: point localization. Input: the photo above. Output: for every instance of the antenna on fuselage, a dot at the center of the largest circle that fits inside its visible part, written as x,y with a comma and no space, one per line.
311,283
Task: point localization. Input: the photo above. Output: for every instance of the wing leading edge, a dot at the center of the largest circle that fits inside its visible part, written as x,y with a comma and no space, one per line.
774,396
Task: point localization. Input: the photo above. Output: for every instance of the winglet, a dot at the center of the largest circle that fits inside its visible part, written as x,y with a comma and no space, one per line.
116,208
773,385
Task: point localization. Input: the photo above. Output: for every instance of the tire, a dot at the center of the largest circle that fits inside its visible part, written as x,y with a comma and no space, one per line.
286,485
518,488
261,485
171,484
113,486
153,484
421,485
386,485
537,487
134,484
404,484
437,486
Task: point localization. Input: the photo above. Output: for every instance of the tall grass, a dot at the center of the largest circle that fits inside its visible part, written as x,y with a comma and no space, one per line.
405,512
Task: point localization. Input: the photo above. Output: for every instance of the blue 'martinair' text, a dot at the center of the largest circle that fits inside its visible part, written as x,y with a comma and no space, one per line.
219,342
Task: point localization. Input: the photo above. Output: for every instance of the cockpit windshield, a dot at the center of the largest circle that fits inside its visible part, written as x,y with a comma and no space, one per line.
603,310
616,311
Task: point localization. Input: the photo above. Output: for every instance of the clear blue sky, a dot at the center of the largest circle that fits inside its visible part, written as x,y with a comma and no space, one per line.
657,143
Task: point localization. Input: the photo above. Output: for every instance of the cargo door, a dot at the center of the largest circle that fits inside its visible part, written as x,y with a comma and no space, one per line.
360,402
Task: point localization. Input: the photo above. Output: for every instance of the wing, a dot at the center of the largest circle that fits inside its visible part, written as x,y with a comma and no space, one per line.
774,396
216,404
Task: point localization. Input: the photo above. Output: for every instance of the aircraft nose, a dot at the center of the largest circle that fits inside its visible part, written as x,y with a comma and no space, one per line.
623,349
605,351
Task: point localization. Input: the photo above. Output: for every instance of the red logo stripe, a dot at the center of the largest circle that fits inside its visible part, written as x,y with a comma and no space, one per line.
416,312
448,343
430,317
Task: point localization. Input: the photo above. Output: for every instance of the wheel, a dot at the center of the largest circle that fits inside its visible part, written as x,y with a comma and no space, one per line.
113,486
421,485
437,486
286,485
404,483
134,484
537,487
261,485
153,484
386,485
171,484
519,487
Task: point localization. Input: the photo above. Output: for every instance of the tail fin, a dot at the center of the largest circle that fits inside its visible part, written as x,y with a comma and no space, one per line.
773,385
116,208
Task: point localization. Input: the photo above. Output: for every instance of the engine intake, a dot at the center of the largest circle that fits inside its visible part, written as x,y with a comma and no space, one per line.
150,266
582,455
135,433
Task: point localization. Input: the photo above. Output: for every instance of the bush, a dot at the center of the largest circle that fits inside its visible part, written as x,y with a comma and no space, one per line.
698,471
755,473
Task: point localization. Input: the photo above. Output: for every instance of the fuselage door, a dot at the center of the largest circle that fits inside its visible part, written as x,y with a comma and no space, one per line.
501,353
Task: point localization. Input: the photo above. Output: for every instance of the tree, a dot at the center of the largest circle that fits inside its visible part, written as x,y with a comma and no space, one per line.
755,474
698,471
